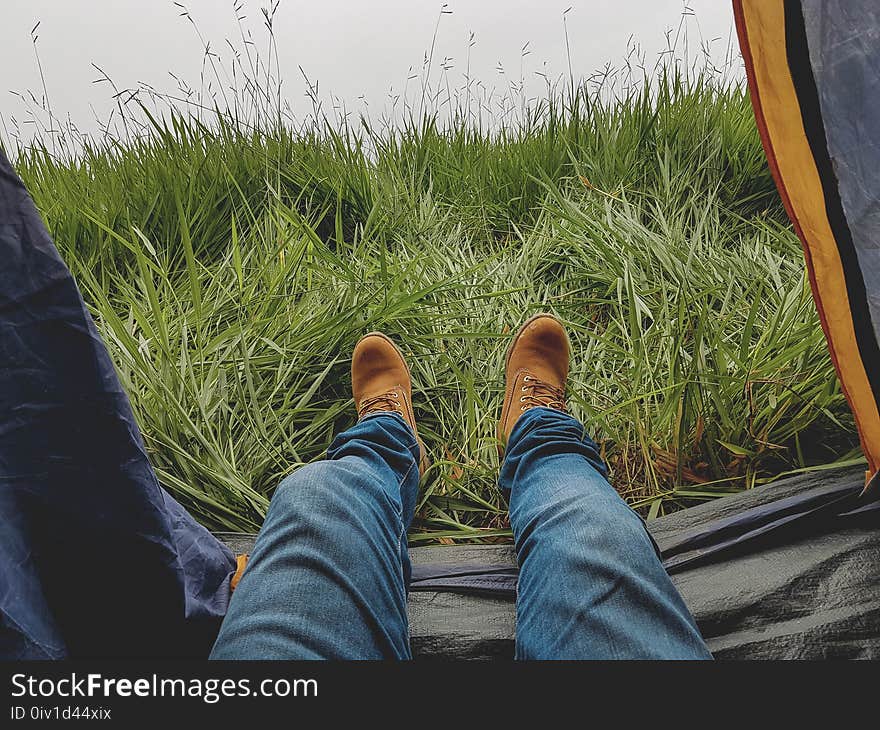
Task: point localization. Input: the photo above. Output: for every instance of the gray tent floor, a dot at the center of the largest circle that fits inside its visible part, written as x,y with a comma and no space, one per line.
813,596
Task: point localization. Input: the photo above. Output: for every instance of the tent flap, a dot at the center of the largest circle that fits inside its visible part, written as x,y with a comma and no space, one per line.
812,74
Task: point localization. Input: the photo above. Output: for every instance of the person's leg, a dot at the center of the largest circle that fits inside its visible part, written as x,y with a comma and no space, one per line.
329,572
591,584
327,578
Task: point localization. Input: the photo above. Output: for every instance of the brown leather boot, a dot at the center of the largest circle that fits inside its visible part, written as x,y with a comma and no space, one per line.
380,382
536,370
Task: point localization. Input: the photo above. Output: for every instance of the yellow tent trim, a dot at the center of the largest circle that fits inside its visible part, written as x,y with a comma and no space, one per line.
761,29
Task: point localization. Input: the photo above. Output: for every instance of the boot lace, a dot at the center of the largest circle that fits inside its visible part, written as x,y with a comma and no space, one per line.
387,401
538,393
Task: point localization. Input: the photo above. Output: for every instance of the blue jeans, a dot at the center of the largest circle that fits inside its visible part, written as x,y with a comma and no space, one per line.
328,574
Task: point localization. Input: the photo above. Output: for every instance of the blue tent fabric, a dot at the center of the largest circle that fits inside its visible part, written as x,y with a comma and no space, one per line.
97,559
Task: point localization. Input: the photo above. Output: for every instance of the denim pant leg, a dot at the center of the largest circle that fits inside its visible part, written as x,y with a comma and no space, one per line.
327,578
591,584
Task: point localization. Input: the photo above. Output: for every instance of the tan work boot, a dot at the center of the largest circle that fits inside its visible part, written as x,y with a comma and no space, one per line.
536,370
380,382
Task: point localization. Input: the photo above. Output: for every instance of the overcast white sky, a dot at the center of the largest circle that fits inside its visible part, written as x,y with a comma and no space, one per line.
357,50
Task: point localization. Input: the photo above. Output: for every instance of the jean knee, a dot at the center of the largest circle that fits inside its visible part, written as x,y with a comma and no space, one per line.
315,488
618,529
576,520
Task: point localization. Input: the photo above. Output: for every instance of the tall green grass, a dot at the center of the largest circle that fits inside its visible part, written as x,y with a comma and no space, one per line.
232,265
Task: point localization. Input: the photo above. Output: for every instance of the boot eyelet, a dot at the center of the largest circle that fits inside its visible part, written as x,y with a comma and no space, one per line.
522,408
523,389
522,399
